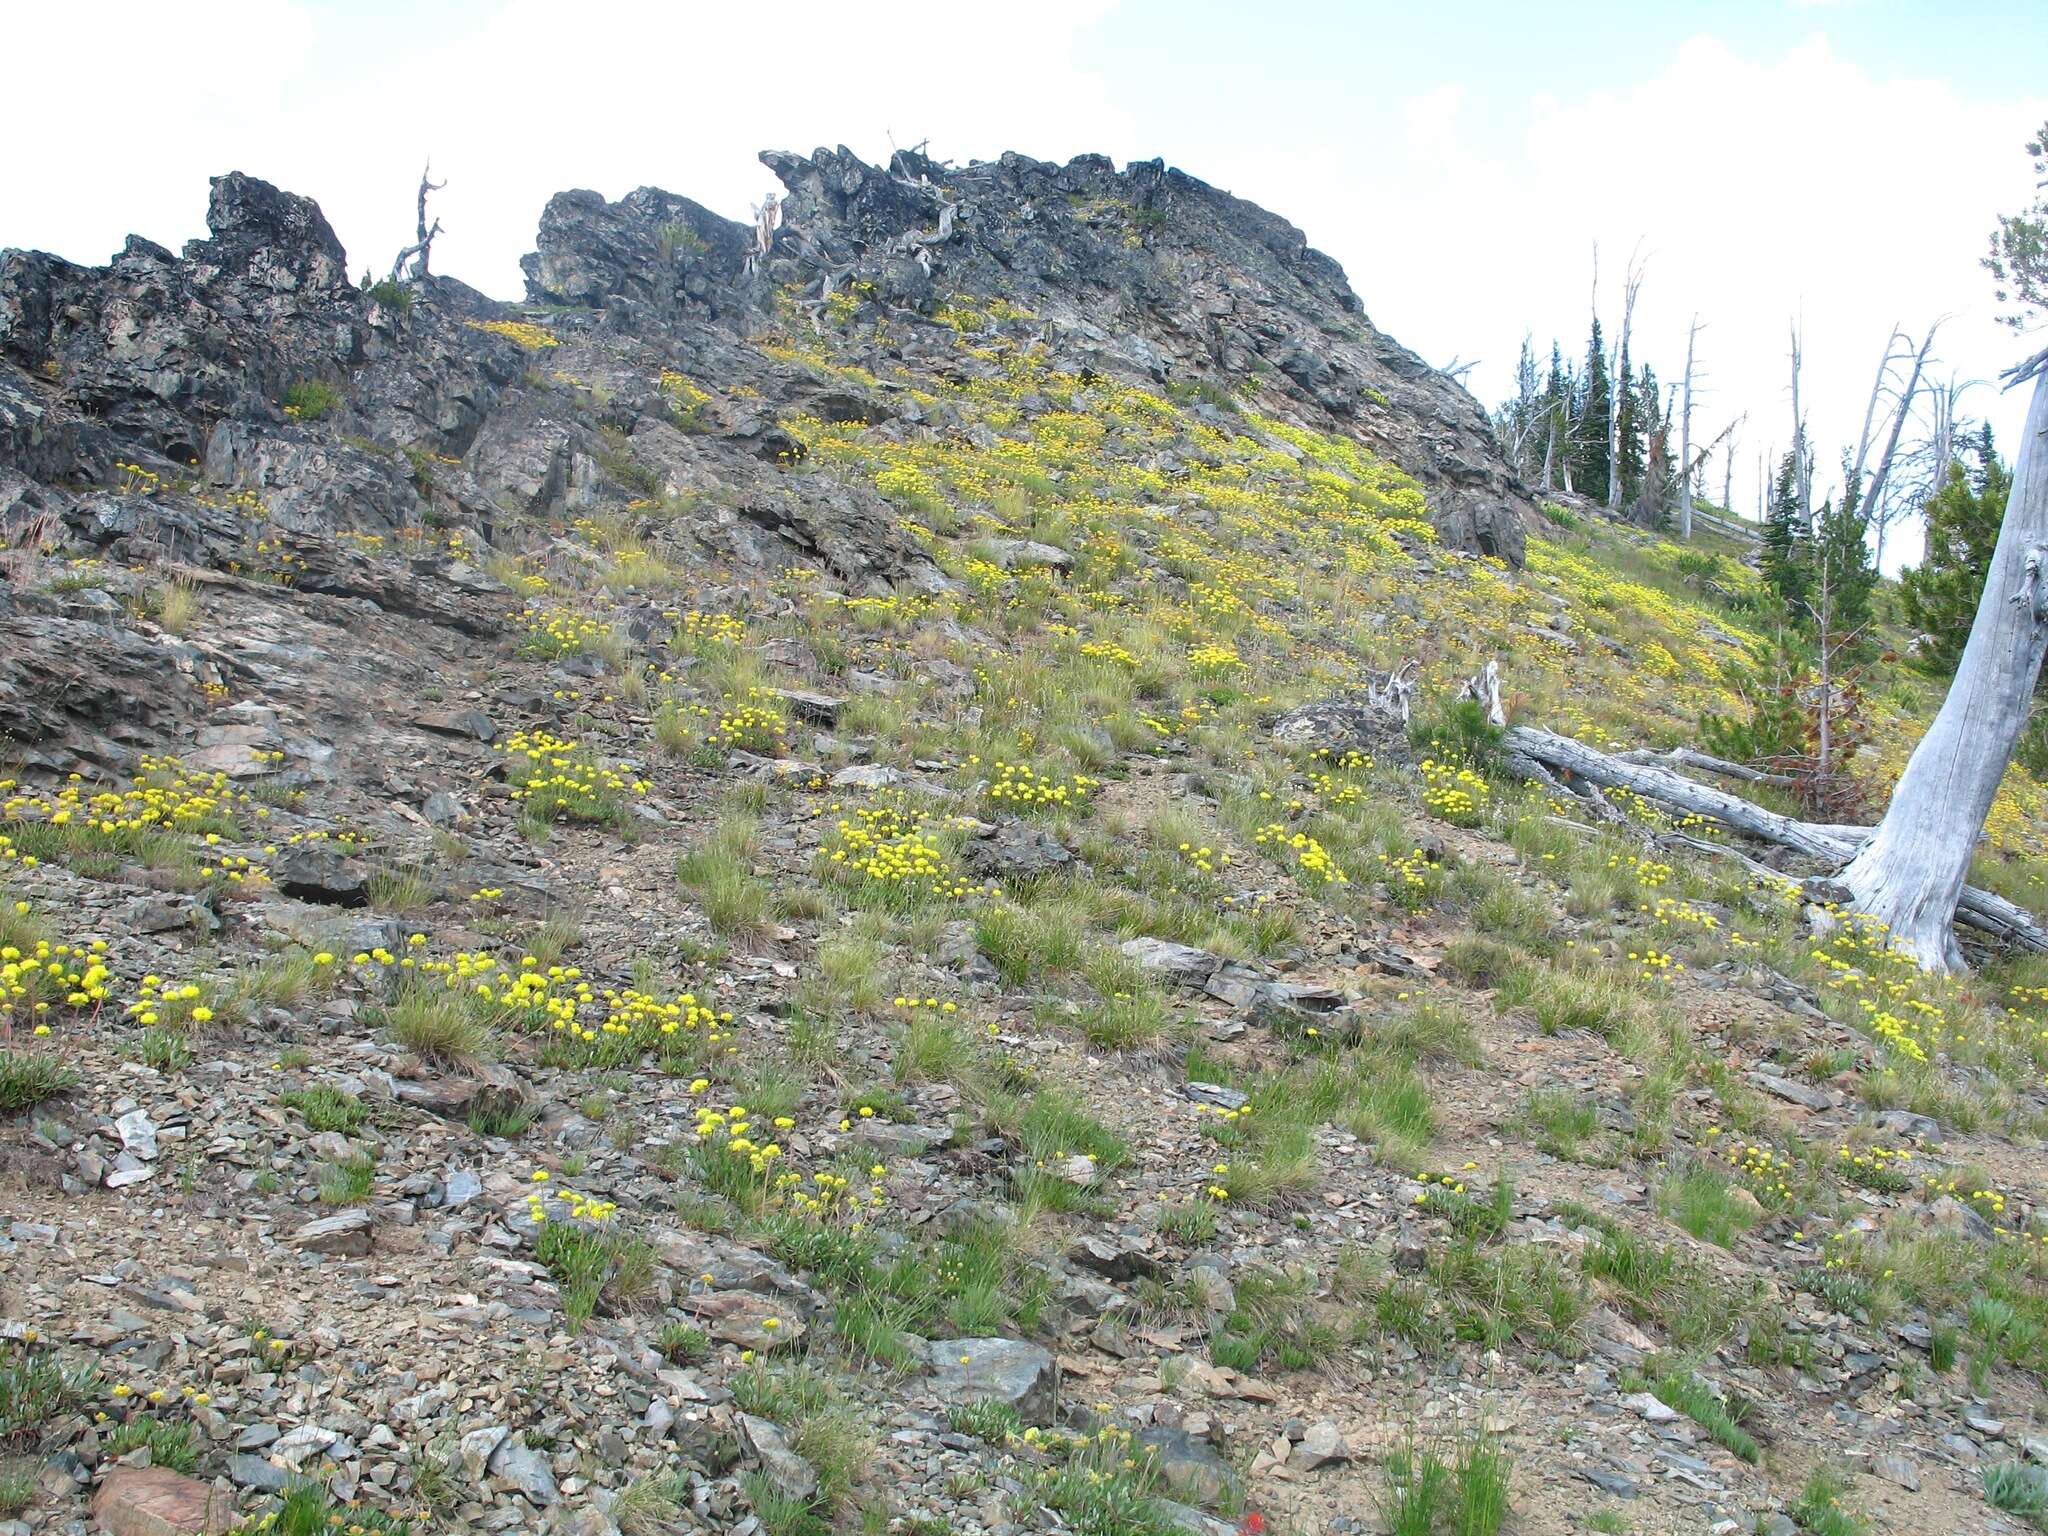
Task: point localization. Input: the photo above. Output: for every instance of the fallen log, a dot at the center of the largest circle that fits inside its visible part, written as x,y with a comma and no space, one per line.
1525,746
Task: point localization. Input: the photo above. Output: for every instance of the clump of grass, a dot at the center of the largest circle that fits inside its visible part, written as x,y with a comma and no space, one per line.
1430,1031
993,1421
1819,1509
1437,1490
348,1181
29,1077
1702,1201
595,1265
17,1487
651,1505
682,1342
311,399
2018,1489
1273,1322
720,874
307,1509
400,888
500,1115
1566,1000
929,1048
326,1108
170,1445
437,1025
176,604
37,1389
1562,1121
1680,1388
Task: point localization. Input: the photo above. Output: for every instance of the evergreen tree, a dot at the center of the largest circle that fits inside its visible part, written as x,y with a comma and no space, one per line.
1840,576
1629,452
1783,558
1589,421
1963,518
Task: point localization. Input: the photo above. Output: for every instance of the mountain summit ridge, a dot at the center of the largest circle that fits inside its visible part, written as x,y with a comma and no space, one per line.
1147,275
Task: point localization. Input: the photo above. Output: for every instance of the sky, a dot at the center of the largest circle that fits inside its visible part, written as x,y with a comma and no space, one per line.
1838,162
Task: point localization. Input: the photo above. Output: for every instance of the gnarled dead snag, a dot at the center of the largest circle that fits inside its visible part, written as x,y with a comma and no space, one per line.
1910,874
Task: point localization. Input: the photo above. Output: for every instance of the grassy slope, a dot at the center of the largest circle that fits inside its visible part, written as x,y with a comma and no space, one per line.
1221,573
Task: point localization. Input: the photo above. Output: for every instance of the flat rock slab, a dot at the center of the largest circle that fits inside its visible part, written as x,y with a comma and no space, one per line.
346,1234
1793,1092
995,1370
745,1319
155,1501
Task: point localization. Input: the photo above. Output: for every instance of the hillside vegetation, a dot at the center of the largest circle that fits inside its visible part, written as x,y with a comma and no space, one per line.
620,1008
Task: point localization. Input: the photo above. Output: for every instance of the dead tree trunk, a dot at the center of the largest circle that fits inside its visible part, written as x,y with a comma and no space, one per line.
1685,440
1525,748
421,251
1617,382
1910,874
1802,461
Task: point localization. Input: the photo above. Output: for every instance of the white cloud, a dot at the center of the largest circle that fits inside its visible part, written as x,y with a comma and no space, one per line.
1429,116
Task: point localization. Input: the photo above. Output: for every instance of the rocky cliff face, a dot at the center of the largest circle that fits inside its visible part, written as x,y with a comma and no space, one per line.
1145,275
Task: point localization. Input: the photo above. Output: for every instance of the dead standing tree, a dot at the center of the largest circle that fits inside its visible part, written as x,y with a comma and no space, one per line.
420,252
1911,872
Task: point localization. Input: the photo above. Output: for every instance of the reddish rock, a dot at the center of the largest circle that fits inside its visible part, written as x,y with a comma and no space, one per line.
154,1501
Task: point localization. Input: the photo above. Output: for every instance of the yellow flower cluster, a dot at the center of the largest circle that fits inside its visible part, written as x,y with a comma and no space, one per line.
1212,659
556,779
752,724
1204,858
578,1206
896,858
1108,650
1453,791
528,335
169,1003
1019,786
552,632
1408,879
1310,857
42,977
720,627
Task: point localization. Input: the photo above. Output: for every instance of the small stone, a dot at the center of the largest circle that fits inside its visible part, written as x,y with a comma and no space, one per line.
745,1319
257,1472
1320,1444
788,1473
138,1135
525,1469
816,708
1179,962
1897,1469
346,1234
1983,1424
1607,1480
300,1445
1792,1091
1648,1407
311,873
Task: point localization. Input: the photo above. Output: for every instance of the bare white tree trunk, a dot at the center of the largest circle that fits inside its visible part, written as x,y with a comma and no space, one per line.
1873,503
1910,873
1685,440
1802,461
1617,381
